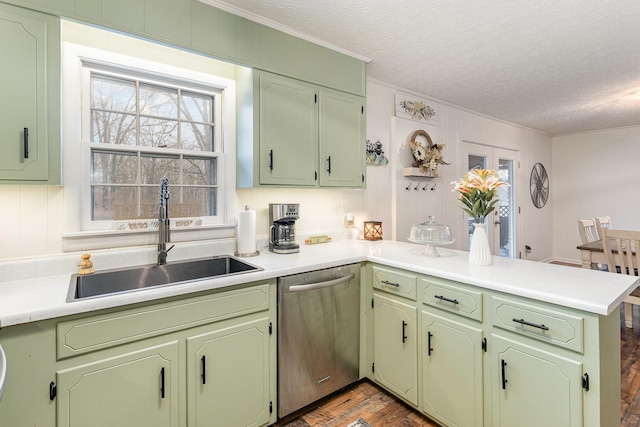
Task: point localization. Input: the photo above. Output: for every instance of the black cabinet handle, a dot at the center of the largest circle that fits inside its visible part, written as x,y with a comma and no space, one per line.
204,370
429,349
533,325
162,383
270,160
404,332
329,165
25,139
504,376
443,298
585,382
386,282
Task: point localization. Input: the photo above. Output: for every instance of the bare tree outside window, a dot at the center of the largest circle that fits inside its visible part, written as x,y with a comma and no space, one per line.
130,120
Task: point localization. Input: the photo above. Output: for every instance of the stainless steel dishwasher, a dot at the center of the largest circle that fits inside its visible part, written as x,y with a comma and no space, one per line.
318,335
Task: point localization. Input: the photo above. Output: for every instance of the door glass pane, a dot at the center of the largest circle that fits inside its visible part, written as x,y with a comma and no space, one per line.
506,208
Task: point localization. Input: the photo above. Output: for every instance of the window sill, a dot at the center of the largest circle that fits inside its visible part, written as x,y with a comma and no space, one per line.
91,240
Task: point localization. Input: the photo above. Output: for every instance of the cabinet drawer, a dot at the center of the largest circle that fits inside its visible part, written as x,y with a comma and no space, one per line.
553,326
88,334
395,282
452,297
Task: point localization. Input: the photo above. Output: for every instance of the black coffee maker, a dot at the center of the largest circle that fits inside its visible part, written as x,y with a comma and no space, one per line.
282,236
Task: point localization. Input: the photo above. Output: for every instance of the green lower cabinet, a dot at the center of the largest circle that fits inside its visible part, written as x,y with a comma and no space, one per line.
135,389
533,388
228,376
452,371
395,349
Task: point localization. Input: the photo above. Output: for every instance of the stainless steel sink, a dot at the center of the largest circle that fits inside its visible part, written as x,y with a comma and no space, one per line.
136,278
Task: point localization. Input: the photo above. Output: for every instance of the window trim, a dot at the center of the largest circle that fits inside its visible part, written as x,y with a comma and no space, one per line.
76,232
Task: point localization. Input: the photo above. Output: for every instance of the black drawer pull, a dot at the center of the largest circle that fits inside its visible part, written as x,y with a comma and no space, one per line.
271,160
25,139
533,325
443,298
386,282
404,332
429,349
329,165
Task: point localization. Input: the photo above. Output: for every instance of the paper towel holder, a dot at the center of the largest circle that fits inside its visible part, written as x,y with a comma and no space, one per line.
249,254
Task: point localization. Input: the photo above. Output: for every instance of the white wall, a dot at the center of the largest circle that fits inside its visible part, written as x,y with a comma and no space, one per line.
594,174
406,207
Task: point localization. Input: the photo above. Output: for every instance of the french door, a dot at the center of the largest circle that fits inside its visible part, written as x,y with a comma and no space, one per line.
501,224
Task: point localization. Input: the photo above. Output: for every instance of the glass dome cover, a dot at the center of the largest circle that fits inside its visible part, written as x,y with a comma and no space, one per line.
431,234
431,231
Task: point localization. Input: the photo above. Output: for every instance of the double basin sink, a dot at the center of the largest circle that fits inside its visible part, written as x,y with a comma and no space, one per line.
120,280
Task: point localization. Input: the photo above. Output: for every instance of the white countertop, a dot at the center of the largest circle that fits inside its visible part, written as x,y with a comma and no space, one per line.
29,299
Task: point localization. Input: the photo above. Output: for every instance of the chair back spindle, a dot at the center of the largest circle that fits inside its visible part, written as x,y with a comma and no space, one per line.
588,231
622,250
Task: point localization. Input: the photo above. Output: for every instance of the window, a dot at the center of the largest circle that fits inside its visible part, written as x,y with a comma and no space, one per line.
130,121
140,130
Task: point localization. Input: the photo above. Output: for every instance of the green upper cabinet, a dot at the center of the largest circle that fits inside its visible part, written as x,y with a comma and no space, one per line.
342,139
30,87
287,131
303,135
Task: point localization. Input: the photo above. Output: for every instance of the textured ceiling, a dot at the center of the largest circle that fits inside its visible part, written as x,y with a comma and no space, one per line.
558,66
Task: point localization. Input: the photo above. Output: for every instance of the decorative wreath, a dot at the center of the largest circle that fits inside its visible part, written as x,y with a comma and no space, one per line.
428,157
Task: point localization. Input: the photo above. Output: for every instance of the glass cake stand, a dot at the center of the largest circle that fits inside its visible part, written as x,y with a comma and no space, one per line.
431,246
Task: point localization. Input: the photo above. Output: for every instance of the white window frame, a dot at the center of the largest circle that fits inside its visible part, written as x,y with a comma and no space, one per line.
80,232
89,67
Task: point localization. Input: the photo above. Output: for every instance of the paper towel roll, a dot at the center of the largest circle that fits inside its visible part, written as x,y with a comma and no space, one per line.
247,233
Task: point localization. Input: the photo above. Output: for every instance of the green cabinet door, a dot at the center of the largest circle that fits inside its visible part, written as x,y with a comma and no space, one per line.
342,139
533,388
288,131
29,48
395,346
228,375
452,371
135,389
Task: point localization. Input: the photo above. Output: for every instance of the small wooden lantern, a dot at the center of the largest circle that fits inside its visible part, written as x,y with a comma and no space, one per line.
373,230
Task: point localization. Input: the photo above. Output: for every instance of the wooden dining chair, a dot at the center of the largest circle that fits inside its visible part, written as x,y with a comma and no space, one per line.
588,231
622,251
602,222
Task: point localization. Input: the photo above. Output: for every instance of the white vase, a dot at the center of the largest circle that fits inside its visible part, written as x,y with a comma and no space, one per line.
480,252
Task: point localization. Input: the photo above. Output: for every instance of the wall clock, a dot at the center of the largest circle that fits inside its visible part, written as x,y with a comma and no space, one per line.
539,185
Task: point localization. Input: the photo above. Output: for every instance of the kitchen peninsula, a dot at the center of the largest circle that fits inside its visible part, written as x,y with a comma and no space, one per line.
517,335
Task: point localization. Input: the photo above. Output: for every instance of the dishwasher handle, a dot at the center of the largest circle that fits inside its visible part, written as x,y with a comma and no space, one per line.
320,285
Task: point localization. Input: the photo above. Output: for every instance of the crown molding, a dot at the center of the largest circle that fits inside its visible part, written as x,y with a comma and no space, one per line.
227,7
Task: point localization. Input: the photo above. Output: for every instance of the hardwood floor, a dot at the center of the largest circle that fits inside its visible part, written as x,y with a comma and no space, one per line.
630,368
377,407
363,400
